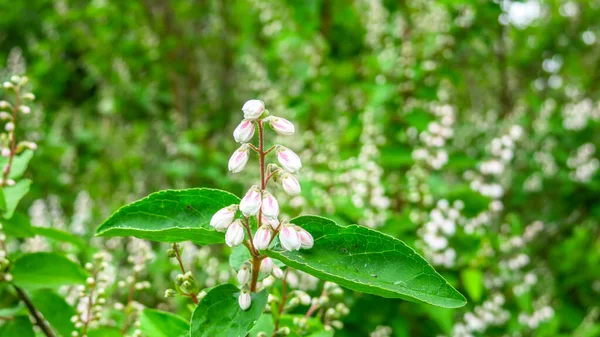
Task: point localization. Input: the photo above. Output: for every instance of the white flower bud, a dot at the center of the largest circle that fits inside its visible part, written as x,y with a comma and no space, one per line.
270,206
306,240
243,275
266,265
289,238
277,272
274,222
303,297
245,300
239,158
253,109
10,126
282,126
251,202
25,109
5,152
223,218
4,104
288,159
262,237
7,85
29,96
235,234
244,132
289,184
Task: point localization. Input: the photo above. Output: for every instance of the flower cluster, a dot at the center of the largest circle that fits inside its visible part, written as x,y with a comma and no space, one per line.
583,163
4,262
258,203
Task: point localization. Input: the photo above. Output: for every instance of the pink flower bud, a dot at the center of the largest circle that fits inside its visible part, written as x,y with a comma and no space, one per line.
289,184
239,158
244,132
243,275
266,266
306,240
244,299
235,234
253,109
274,222
282,126
288,159
289,238
5,152
277,272
270,206
251,202
10,126
262,237
223,218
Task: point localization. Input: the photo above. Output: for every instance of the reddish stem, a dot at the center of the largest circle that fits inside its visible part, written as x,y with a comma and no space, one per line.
178,256
283,300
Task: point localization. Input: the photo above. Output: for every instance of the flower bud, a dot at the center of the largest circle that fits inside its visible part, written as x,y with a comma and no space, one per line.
170,293
25,109
288,159
5,152
289,184
244,132
239,158
245,300
251,202
4,105
171,253
10,126
303,297
306,240
282,126
29,96
223,218
266,265
289,238
243,275
262,237
235,234
274,222
253,109
270,206
277,272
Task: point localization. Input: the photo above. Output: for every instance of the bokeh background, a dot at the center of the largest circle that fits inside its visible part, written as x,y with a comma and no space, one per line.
467,128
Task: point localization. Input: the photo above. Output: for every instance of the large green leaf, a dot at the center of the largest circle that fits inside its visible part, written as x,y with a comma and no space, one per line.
46,270
13,195
18,226
155,323
59,235
368,261
55,310
20,326
219,314
171,216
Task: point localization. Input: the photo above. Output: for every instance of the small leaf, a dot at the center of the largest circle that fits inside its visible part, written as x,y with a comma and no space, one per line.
59,235
155,323
219,314
19,326
19,164
472,279
2,201
55,310
18,226
171,216
46,270
368,261
13,195
264,324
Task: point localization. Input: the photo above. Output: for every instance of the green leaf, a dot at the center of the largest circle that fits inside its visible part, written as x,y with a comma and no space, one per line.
46,270
368,261
13,195
155,323
264,324
219,314
55,310
473,282
18,226
59,235
2,200
105,332
171,216
19,326
19,164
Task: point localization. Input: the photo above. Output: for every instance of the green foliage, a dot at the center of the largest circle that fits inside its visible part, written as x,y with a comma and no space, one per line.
19,326
55,310
365,260
171,216
219,313
156,323
13,195
46,270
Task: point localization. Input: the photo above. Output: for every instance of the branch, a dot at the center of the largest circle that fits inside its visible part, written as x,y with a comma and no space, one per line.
41,323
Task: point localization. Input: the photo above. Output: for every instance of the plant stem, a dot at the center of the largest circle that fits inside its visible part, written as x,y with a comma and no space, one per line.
283,300
178,256
13,141
256,258
33,311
